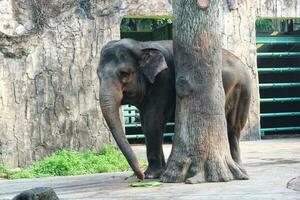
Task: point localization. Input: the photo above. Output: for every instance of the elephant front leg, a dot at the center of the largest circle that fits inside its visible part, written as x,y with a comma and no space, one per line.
156,160
153,130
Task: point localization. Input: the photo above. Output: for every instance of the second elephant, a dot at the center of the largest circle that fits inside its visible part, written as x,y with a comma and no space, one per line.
142,74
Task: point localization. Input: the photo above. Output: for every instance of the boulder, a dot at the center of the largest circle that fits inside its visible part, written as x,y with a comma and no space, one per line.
39,193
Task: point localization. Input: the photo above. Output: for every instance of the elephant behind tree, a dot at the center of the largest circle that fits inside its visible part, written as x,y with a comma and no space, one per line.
142,74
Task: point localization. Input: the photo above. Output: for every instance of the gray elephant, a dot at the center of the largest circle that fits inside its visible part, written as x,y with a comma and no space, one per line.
142,74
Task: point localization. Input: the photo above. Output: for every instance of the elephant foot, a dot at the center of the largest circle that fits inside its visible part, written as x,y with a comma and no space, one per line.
153,172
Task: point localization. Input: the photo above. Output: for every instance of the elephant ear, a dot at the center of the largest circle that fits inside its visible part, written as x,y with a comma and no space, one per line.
152,63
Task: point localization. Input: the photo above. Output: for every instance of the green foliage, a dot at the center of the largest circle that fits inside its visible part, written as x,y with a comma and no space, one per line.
3,171
164,21
143,25
2,168
21,173
66,162
264,25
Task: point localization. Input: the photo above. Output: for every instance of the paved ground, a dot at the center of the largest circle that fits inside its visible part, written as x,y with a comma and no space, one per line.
270,164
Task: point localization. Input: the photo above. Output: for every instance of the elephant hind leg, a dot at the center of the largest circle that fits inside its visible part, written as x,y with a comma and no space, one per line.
237,110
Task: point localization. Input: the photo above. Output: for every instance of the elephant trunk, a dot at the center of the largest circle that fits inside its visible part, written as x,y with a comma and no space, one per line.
110,109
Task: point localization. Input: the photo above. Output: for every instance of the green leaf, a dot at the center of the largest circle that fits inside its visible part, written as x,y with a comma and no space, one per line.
145,184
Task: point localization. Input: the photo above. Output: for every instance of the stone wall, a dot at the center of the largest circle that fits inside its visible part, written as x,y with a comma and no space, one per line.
48,82
49,88
278,8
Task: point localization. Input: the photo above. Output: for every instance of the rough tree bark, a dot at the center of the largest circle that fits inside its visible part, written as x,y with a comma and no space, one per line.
200,150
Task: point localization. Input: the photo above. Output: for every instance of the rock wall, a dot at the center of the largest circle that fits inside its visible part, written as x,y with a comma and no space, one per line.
278,8
49,88
48,83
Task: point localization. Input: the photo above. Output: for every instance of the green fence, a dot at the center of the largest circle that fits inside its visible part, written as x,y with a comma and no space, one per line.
279,77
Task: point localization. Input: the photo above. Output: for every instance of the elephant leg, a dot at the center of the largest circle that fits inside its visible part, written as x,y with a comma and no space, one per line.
234,142
234,130
237,109
153,128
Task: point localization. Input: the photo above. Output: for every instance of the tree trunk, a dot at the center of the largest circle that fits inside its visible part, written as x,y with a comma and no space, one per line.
200,150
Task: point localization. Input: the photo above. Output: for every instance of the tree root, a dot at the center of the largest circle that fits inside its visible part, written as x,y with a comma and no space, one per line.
177,171
213,169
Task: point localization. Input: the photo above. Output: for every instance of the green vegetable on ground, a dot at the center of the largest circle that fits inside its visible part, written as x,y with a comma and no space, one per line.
146,184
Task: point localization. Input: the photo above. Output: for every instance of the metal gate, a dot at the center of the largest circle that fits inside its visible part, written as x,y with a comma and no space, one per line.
278,61
133,124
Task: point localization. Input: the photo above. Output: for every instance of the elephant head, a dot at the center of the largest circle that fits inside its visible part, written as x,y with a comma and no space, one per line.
126,68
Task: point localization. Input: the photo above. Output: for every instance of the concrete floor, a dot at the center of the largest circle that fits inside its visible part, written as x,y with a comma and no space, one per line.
270,165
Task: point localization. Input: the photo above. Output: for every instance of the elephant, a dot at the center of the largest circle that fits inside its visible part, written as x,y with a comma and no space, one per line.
142,74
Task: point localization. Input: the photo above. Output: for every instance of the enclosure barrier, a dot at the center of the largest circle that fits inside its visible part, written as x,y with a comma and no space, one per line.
279,100
282,114
283,42
277,54
279,129
278,70
278,85
276,40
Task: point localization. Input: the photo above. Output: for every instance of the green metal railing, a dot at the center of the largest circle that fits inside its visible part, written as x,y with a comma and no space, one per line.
281,129
263,115
138,124
279,70
277,40
281,114
131,116
277,54
280,100
278,85
278,129
142,136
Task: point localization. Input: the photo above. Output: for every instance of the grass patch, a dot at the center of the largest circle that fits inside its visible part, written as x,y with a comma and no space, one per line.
67,163
2,168
3,171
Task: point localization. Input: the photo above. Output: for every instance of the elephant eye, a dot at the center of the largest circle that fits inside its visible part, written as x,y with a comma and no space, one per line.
124,73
